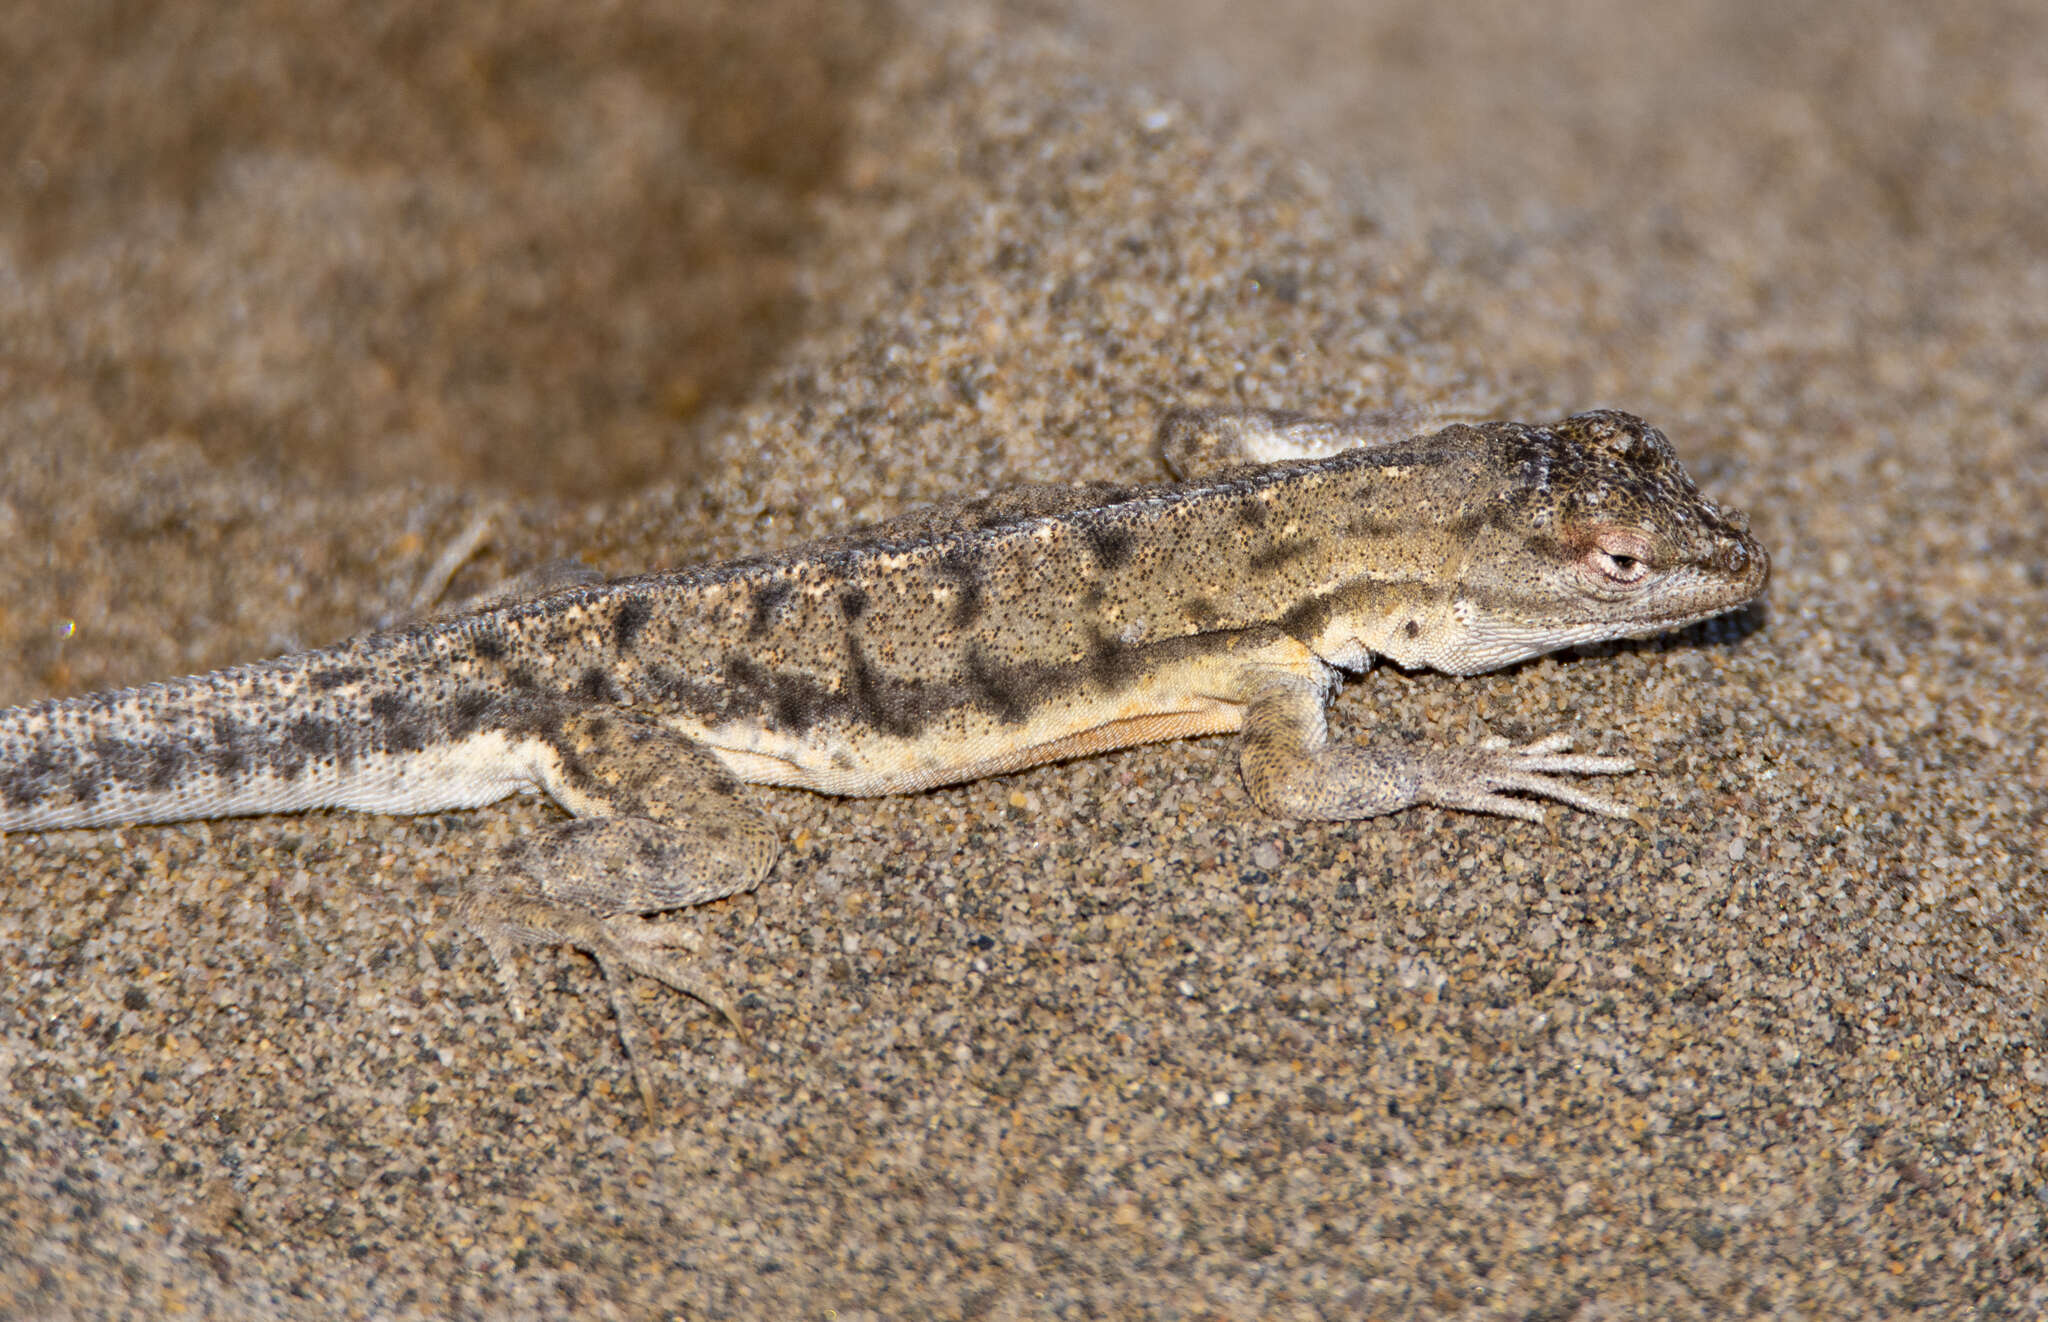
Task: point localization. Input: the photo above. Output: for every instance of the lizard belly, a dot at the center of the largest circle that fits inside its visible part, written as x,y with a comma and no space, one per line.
968,743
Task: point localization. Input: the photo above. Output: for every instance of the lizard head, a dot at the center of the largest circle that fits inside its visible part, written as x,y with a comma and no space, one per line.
1588,530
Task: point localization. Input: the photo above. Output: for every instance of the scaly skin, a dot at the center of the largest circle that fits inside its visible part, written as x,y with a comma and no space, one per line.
961,641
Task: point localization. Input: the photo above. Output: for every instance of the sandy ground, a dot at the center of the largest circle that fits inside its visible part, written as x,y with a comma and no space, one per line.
293,297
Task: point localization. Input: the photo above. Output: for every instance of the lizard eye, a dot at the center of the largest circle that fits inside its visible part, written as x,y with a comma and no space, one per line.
1622,566
1619,559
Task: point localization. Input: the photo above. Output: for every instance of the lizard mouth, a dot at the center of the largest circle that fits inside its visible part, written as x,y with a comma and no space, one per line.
1734,574
1760,565
1714,594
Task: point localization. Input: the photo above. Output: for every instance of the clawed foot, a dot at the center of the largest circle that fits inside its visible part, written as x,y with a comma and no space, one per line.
621,945
642,947
1483,777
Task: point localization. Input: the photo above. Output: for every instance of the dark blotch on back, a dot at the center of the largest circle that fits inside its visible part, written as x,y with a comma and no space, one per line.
333,677
891,705
796,703
469,708
998,689
303,740
1370,525
540,718
1306,620
791,702
86,787
230,751
768,599
965,570
150,763
489,646
1281,554
312,736
24,783
627,621
1110,544
1492,514
594,685
400,724
854,602
165,757
1112,662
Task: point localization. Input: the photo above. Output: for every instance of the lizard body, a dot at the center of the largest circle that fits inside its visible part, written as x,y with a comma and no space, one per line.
957,642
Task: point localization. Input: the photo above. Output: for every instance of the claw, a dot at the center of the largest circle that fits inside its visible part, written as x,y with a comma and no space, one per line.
1483,778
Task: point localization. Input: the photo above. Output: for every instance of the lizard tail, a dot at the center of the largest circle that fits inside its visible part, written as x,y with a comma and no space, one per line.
315,730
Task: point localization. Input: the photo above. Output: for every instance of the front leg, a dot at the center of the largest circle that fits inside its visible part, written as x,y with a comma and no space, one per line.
1292,770
659,826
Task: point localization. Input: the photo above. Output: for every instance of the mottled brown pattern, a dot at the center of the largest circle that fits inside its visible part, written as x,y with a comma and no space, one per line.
955,642
950,627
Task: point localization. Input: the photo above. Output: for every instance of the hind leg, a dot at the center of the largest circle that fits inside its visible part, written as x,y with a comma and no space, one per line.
660,826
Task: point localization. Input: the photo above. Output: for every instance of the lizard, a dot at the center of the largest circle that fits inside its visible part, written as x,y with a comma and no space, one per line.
964,640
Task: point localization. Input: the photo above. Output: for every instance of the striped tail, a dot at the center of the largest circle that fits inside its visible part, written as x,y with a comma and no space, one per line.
315,730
